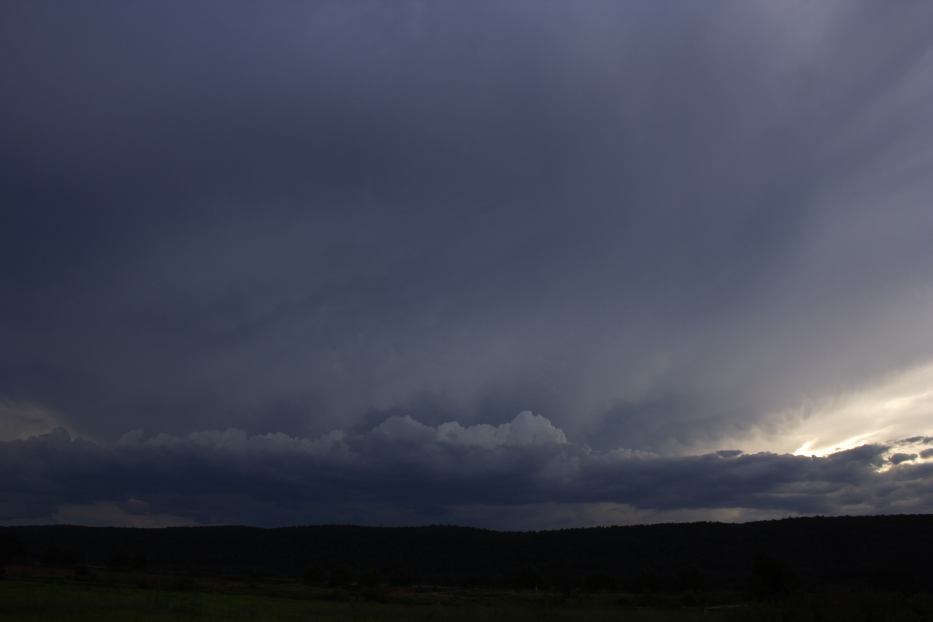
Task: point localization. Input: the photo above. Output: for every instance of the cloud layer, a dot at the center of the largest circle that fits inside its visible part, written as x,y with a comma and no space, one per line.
523,473
671,228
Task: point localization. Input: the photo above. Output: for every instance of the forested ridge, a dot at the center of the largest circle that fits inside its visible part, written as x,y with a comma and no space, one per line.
885,552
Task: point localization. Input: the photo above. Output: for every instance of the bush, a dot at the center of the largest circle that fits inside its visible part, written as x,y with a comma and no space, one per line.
771,578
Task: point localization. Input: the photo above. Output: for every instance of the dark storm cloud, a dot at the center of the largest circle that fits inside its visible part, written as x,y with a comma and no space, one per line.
405,471
658,224
898,458
916,440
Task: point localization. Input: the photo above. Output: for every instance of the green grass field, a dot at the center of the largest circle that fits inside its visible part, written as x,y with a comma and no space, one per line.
151,598
103,599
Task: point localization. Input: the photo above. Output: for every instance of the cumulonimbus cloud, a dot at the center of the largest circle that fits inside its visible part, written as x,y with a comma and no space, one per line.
403,470
658,227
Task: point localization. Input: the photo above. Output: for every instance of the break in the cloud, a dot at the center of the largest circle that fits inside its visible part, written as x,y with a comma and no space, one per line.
667,227
522,473
24,420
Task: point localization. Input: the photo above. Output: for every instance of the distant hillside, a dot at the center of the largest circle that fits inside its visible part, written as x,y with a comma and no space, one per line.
888,552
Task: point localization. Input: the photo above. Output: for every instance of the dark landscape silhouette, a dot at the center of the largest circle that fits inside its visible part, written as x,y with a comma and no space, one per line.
759,558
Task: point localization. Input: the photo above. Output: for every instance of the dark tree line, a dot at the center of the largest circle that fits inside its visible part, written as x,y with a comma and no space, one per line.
769,558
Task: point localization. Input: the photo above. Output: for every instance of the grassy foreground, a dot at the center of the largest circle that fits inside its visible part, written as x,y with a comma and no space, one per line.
53,599
34,601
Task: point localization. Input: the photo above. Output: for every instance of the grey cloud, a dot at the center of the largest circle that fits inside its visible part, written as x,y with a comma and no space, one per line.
642,221
23,420
405,471
729,453
916,440
901,457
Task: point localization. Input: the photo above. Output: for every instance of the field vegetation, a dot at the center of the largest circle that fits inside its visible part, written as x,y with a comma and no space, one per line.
33,595
820,570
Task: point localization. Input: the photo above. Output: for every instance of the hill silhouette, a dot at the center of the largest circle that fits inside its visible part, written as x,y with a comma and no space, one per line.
769,557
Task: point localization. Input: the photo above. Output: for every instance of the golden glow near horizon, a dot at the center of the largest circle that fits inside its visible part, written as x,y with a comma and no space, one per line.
888,412
808,448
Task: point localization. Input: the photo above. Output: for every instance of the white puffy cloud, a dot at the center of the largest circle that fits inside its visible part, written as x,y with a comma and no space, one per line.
526,428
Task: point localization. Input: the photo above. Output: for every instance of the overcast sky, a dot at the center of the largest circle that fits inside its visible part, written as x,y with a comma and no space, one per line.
518,264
